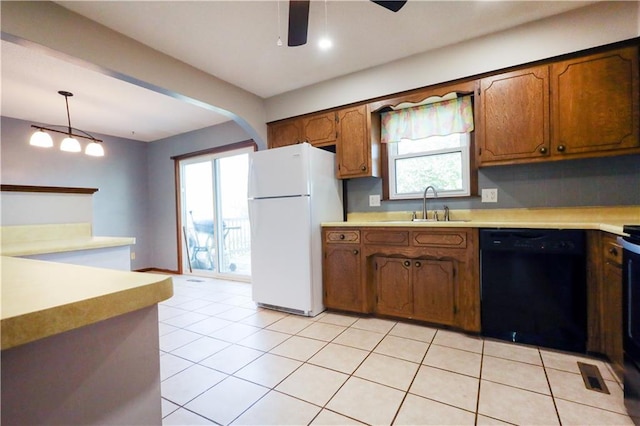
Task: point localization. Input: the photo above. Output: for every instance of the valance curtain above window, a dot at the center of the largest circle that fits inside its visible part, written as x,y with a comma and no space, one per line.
438,119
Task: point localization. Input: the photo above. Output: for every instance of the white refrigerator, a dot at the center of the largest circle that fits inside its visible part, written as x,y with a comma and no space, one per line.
291,191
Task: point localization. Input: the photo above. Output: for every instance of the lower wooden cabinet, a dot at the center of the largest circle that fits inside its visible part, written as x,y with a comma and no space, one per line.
425,274
394,286
416,288
342,271
604,302
434,291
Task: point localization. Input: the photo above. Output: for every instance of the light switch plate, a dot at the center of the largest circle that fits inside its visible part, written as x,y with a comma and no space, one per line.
374,200
490,195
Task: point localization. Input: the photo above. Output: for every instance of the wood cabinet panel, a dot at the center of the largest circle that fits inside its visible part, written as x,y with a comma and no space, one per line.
394,295
604,297
434,292
356,153
319,130
514,121
595,102
395,238
284,133
440,239
612,300
342,278
342,236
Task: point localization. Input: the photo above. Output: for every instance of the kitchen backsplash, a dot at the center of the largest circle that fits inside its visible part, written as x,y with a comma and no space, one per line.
611,181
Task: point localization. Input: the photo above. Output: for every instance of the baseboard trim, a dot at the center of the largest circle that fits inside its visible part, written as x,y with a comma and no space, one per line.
158,270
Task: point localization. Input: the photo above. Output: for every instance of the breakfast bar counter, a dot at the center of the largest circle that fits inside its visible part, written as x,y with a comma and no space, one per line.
79,344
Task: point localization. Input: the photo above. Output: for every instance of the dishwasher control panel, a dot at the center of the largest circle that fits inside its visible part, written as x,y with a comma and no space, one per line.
530,240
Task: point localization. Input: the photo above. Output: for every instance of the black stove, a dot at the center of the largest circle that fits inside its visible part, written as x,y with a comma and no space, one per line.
634,233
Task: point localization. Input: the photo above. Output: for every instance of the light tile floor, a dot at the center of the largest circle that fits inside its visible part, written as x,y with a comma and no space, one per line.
225,361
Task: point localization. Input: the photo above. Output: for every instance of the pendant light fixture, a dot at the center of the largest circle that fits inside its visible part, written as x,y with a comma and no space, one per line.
325,42
69,144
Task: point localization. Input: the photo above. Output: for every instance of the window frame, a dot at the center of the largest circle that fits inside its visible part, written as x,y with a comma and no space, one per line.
467,170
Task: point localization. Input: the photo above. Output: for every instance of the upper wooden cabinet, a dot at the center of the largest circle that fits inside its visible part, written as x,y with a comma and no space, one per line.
317,129
320,129
358,144
514,118
581,107
356,140
595,103
284,133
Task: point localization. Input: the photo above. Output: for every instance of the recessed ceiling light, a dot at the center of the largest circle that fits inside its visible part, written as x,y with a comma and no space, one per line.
325,43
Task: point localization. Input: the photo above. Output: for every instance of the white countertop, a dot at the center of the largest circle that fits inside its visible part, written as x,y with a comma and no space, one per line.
612,228
41,299
28,248
608,219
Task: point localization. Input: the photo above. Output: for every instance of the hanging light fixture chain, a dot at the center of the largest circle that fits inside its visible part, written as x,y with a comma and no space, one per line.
66,101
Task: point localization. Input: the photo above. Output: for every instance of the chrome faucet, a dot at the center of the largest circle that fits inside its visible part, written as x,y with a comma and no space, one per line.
425,213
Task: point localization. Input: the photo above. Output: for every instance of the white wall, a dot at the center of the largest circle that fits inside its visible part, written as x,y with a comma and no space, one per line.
162,217
120,206
37,208
60,32
591,26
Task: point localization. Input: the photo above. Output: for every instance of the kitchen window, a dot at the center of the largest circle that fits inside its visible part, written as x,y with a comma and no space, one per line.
429,145
440,161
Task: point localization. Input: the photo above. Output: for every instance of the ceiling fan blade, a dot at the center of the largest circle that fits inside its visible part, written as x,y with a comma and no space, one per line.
392,5
298,22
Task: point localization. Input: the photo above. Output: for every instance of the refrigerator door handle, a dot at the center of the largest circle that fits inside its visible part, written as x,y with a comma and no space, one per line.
252,179
253,219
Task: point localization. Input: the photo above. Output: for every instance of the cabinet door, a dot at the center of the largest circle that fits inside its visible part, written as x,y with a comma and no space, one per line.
434,292
320,130
353,147
394,295
612,301
595,102
341,276
284,133
514,121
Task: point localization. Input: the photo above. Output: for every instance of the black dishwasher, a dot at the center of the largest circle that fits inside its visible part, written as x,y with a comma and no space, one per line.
533,286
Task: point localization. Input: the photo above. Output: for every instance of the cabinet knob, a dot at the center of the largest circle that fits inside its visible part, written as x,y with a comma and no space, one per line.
342,236
561,148
363,168
543,150
407,263
355,251
613,251
418,264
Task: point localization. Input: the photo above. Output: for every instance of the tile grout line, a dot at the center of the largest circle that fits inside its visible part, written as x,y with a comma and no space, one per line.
479,383
553,398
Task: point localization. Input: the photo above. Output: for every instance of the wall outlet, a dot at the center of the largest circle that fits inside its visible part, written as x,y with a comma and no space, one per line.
374,200
133,255
490,195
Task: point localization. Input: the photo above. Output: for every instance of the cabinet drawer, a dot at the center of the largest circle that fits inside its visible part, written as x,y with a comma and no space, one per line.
388,238
450,239
612,252
346,236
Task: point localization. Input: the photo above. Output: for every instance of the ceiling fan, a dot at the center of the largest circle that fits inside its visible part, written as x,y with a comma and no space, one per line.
299,18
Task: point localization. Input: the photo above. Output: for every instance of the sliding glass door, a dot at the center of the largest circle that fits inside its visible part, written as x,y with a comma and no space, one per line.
215,221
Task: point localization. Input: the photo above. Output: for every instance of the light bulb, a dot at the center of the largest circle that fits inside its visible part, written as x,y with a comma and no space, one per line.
279,42
94,149
325,43
70,144
41,138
